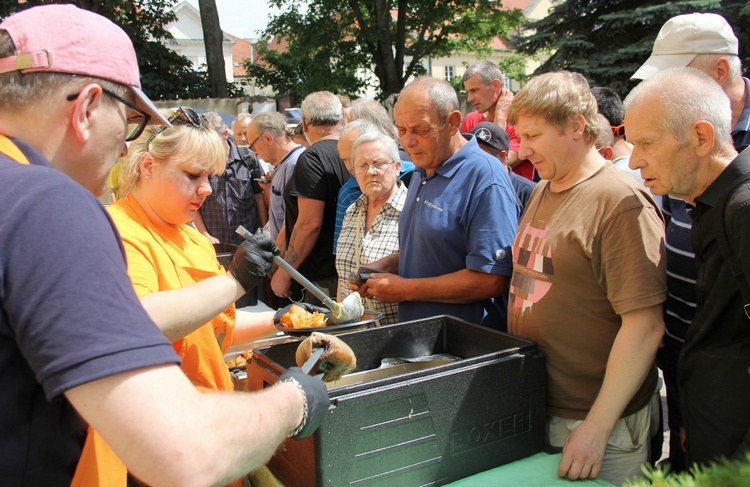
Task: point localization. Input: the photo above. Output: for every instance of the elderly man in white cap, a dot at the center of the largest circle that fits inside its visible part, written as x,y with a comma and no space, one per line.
705,42
77,349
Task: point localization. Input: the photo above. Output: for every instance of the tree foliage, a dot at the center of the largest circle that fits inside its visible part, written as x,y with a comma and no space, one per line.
608,40
164,73
329,42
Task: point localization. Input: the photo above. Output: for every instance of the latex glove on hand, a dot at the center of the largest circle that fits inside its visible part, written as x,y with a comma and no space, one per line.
252,260
316,400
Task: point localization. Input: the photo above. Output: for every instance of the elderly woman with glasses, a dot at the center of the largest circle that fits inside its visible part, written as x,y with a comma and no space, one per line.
370,228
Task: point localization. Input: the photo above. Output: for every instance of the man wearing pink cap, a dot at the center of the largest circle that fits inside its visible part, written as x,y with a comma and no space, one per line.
76,347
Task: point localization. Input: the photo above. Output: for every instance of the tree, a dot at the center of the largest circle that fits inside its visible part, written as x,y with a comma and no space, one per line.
164,73
608,40
213,37
333,42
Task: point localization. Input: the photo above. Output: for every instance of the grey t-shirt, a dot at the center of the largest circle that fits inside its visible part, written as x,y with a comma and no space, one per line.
281,176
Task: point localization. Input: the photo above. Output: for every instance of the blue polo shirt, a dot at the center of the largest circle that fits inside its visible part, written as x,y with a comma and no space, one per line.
463,216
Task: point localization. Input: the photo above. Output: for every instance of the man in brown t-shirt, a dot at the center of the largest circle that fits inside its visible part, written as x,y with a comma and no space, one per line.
588,283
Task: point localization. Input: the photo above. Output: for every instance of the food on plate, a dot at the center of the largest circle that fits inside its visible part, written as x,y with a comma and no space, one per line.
241,359
297,317
337,359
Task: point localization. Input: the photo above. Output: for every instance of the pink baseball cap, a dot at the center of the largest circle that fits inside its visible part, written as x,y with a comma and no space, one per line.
67,39
683,37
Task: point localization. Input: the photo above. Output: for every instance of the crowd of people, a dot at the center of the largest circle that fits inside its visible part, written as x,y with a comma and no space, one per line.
608,232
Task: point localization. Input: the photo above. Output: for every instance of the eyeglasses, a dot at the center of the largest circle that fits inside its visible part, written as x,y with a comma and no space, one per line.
378,166
619,131
183,116
137,119
252,146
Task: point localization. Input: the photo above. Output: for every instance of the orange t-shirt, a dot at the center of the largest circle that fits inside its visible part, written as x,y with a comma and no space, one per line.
160,258
163,257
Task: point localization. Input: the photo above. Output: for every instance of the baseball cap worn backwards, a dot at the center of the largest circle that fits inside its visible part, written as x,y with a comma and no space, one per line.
70,40
683,37
492,135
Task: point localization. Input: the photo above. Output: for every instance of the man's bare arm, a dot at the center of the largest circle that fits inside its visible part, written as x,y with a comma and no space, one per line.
168,433
632,356
464,286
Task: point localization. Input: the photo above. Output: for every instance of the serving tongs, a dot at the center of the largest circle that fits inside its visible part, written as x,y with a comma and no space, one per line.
311,362
350,309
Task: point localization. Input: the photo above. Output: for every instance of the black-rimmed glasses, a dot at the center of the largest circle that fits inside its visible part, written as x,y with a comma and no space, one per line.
183,116
379,166
252,146
137,119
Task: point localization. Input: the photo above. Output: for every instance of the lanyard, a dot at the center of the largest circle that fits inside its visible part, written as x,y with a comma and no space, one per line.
10,149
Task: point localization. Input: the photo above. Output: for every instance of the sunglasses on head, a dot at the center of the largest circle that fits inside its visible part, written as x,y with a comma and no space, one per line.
619,131
183,116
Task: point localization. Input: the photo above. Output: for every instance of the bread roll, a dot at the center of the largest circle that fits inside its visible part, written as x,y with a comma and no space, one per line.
337,360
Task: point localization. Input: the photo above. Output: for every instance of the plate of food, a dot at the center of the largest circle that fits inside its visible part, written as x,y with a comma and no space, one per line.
303,319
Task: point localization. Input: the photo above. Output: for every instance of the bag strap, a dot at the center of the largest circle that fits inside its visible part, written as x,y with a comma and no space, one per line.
10,149
725,247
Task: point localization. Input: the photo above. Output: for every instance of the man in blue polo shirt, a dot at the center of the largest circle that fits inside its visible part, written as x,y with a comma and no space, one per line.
459,220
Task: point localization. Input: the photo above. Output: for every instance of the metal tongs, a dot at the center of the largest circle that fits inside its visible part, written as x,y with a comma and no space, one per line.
351,309
311,362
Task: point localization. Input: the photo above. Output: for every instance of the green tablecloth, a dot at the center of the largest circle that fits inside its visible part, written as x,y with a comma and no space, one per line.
538,470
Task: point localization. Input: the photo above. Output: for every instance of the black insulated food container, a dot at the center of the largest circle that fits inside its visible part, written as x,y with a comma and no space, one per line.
421,423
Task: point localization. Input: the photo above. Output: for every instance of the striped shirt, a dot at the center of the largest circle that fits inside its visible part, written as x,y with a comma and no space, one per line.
679,307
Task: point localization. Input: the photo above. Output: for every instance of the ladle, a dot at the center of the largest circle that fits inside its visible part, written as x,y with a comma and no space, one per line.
351,309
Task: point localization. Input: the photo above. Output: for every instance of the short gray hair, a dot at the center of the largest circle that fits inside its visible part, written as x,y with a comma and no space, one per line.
321,108
387,143
272,122
705,62
442,94
373,111
486,70
216,122
687,96
240,118
361,126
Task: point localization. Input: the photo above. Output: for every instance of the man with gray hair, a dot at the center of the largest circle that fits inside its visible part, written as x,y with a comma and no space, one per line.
273,145
484,83
679,123
239,128
459,219
705,42
310,199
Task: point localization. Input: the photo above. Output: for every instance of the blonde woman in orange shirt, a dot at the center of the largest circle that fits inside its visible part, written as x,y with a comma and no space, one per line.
173,267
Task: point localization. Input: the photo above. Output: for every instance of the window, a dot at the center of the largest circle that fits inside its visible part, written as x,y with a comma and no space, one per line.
449,73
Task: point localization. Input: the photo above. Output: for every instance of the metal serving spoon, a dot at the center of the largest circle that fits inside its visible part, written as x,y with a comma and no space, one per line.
350,309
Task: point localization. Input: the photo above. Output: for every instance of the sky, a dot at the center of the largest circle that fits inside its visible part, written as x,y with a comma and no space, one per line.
242,18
